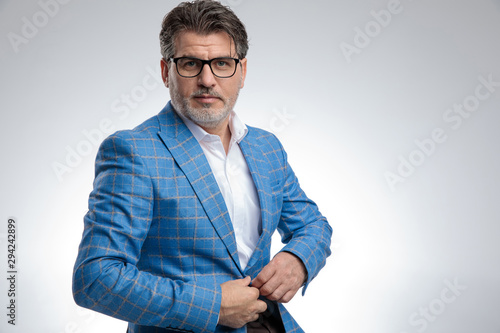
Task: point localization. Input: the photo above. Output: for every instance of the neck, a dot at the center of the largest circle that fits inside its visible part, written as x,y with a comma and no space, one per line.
223,132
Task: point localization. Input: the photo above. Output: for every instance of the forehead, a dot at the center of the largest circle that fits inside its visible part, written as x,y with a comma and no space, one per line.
209,46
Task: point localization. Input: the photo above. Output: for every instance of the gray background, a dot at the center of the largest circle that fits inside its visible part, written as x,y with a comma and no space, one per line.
345,120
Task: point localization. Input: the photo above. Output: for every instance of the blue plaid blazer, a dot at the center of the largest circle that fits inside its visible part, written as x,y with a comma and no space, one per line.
158,240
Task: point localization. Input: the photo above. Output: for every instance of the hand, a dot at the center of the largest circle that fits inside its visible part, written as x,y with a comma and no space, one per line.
240,304
281,278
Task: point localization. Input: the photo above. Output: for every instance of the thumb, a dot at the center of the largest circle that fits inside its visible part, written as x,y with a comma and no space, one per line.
245,282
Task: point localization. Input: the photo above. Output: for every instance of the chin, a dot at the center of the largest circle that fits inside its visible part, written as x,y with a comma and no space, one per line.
208,120
208,125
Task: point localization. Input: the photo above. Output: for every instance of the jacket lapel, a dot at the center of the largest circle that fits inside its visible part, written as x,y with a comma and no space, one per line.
190,157
259,168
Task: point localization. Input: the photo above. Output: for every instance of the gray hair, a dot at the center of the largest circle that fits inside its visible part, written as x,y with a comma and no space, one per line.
203,17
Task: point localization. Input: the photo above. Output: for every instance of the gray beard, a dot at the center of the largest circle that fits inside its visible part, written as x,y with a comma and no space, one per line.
204,116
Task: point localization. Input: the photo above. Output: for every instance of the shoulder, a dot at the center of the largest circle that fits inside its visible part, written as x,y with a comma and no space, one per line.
140,142
149,128
267,145
263,138
146,131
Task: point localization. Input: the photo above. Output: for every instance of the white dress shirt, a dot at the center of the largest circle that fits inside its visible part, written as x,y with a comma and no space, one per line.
235,182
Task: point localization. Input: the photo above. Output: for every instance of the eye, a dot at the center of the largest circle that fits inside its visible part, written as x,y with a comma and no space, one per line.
188,63
221,63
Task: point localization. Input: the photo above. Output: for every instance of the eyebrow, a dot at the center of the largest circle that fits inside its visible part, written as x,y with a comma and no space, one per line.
191,56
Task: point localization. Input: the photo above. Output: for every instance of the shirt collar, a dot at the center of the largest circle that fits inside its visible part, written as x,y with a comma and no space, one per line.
238,129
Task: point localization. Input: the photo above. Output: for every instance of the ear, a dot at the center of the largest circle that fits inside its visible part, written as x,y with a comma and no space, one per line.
243,71
164,71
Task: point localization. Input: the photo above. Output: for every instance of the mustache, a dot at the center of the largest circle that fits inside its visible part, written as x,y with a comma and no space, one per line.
206,91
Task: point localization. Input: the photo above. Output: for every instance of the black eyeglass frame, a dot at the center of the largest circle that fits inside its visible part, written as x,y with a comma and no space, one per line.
206,62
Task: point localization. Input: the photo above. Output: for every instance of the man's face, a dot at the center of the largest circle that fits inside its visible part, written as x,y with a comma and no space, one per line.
205,99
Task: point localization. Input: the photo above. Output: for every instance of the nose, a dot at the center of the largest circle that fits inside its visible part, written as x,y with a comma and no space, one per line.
206,77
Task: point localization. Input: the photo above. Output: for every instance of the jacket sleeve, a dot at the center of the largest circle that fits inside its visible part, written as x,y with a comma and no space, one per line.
106,278
303,229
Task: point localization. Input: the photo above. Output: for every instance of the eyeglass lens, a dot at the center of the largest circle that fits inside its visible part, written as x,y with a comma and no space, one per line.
221,67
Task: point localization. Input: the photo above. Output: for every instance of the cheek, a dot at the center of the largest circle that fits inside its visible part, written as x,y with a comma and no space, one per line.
187,86
231,88
177,87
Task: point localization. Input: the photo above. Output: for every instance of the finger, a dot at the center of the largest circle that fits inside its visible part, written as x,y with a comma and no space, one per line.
264,276
287,297
262,306
279,286
257,307
245,281
270,287
279,292
253,317
254,293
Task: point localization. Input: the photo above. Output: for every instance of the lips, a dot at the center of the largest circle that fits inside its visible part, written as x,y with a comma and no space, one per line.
206,98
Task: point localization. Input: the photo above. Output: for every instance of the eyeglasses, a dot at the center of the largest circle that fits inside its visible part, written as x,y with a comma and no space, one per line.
223,67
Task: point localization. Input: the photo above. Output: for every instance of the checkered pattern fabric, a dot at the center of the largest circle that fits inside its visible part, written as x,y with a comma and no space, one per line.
158,240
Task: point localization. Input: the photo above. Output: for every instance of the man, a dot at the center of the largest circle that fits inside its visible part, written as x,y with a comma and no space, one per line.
177,236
